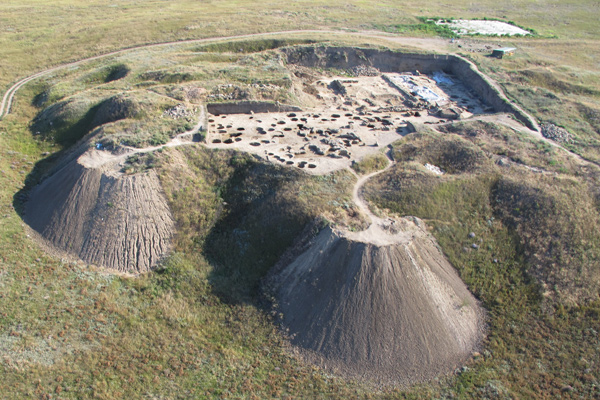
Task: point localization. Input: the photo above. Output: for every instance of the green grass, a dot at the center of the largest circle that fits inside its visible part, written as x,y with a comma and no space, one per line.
560,89
426,26
196,327
370,164
109,26
512,216
250,46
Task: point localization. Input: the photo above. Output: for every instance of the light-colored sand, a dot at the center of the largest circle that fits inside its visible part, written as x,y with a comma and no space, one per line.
394,313
471,27
341,128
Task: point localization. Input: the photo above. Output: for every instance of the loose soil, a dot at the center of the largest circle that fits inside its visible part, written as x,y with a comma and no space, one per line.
347,118
88,207
472,27
382,305
393,314
122,222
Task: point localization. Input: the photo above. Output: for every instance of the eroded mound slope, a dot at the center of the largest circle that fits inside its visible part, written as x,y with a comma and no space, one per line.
121,222
396,313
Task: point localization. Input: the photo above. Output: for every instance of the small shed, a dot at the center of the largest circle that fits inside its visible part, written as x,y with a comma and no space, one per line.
503,51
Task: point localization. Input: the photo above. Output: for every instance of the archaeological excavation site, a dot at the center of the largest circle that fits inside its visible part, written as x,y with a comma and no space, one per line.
366,295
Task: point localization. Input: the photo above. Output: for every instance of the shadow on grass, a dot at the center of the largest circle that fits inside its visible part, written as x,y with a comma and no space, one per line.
259,224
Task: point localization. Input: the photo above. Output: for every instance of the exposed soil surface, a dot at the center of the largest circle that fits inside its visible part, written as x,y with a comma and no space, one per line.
347,118
382,304
483,27
394,314
120,222
88,207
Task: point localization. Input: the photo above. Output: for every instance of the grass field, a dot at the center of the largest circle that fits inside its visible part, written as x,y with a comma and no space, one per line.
196,327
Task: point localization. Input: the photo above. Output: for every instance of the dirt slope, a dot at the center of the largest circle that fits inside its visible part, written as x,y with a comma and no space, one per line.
395,313
121,222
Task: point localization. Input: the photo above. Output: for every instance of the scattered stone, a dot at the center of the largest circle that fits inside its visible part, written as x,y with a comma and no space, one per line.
556,133
338,88
364,70
179,111
567,388
435,169
503,162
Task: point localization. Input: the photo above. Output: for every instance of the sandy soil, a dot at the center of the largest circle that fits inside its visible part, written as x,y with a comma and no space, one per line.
471,27
393,314
350,119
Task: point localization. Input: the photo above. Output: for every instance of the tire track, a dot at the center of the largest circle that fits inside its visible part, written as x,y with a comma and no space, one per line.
8,98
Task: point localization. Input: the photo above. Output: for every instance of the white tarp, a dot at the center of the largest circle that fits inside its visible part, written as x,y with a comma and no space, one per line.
441,77
423,92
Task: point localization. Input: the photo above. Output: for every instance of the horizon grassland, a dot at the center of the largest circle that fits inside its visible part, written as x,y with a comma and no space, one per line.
197,326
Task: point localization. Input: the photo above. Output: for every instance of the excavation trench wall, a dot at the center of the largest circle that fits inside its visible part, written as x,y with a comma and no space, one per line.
389,61
248,107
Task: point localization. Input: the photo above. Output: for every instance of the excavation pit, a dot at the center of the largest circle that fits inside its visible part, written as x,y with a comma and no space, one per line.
371,111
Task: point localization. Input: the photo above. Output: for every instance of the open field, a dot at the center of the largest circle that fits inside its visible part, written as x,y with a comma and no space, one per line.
516,217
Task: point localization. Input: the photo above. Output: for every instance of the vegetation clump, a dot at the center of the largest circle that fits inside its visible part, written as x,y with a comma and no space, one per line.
370,164
552,215
451,154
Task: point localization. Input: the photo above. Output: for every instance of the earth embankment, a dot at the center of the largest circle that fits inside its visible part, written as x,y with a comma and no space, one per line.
120,222
394,313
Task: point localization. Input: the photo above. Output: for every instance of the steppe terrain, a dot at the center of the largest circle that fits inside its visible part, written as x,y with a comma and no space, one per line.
363,205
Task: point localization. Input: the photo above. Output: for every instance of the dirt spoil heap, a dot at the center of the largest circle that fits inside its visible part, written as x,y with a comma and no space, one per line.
89,210
395,313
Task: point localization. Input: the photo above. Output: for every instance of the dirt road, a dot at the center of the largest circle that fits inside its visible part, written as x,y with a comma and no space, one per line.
430,44
422,43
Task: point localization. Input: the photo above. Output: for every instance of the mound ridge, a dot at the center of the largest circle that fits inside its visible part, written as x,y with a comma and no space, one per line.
121,222
394,313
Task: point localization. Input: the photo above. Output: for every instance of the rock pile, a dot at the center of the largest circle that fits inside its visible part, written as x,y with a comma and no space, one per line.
228,92
179,111
556,133
364,70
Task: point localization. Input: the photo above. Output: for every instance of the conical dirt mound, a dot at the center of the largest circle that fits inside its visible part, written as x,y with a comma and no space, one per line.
394,313
87,209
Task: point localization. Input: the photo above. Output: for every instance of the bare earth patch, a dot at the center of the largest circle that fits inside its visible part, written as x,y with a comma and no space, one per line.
350,118
472,27
394,313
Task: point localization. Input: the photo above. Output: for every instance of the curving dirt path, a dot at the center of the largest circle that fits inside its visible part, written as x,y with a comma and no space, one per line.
423,43
100,158
381,231
356,195
430,44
